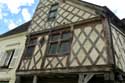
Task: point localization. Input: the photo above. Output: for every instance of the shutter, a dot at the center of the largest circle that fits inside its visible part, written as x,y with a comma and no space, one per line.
14,58
3,56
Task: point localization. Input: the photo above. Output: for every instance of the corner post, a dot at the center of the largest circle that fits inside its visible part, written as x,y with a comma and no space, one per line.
35,79
85,78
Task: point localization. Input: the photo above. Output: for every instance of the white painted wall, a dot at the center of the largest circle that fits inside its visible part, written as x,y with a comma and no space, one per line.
16,42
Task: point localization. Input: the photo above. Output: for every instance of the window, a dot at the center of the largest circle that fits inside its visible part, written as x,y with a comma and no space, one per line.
30,50
9,54
59,43
53,12
31,47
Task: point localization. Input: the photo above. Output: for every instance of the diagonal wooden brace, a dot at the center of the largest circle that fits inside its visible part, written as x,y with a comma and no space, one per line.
84,78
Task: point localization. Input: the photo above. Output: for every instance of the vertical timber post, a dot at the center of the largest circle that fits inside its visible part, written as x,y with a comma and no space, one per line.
85,78
81,78
35,79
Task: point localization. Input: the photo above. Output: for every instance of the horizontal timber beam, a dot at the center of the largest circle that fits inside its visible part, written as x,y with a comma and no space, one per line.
91,69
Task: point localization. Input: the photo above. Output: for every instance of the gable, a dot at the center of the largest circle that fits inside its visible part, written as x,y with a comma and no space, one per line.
68,12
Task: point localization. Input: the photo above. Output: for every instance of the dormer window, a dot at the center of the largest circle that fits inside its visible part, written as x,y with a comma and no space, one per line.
53,12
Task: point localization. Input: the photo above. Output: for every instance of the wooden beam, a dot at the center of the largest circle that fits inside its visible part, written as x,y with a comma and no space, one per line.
81,78
106,26
85,78
90,69
35,79
88,77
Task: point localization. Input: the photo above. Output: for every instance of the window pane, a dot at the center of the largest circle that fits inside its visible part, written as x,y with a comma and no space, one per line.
52,14
9,56
55,37
53,48
33,41
66,35
59,43
53,11
65,46
30,50
55,7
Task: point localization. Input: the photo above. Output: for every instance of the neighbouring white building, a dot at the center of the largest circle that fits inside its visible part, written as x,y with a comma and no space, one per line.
12,45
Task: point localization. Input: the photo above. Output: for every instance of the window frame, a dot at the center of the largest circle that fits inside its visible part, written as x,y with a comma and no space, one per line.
7,62
59,42
29,45
52,11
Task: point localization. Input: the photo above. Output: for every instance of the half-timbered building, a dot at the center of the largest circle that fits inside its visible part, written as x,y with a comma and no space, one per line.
12,44
73,41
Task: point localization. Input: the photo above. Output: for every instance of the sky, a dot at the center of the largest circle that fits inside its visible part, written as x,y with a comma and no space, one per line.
16,12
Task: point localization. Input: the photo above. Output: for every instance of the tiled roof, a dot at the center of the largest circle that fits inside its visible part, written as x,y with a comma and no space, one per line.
19,29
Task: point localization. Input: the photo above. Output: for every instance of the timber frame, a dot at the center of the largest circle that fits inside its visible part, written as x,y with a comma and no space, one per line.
70,26
108,69
65,26
105,70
